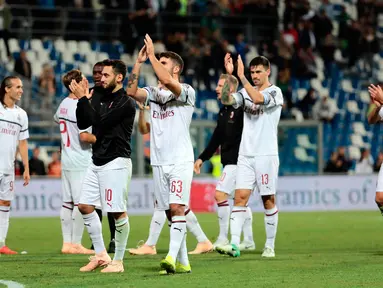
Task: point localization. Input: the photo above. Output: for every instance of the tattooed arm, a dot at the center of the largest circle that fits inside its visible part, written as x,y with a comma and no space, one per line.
226,97
137,93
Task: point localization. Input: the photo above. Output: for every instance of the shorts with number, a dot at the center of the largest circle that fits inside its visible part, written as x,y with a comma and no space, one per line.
172,184
258,173
71,183
226,183
109,184
7,186
379,185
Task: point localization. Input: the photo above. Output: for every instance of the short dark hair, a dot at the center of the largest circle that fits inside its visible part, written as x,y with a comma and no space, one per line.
100,63
118,66
7,82
260,60
72,75
174,57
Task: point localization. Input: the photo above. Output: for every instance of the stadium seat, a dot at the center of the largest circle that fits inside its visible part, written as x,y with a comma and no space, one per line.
356,140
301,93
60,45
304,141
354,152
13,45
212,106
352,107
301,154
347,86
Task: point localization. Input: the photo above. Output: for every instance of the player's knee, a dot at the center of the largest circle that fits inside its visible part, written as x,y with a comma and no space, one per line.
379,198
220,196
5,203
241,197
177,209
268,201
85,209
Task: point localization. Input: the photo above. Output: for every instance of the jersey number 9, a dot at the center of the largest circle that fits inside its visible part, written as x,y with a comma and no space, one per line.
63,130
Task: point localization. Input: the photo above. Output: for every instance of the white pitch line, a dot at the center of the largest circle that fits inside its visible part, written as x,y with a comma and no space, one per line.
11,284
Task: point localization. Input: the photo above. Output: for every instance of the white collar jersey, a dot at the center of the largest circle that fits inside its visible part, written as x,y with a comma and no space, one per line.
170,119
13,128
75,155
260,125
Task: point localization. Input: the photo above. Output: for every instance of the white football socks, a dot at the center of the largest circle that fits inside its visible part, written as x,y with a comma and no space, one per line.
271,225
183,253
93,225
77,225
177,233
223,212
4,223
237,218
248,226
121,237
194,227
158,221
66,221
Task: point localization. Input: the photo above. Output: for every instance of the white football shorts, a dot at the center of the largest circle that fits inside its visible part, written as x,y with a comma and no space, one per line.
258,173
172,184
71,183
109,184
226,183
7,186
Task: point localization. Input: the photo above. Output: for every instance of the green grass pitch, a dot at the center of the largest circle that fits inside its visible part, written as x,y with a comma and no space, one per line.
326,249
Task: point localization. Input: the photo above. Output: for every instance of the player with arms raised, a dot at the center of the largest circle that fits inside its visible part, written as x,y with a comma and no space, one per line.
76,157
376,116
227,135
159,216
171,149
258,160
13,132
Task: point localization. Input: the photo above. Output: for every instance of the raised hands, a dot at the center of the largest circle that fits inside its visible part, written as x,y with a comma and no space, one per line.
142,55
376,94
240,68
149,45
80,89
229,66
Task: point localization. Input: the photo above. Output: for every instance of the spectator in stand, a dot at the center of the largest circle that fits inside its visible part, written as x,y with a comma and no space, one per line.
23,66
47,84
365,164
54,168
36,166
378,162
346,162
328,8
353,43
327,51
369,47
307,103
325,109
322,27
241,47
334,165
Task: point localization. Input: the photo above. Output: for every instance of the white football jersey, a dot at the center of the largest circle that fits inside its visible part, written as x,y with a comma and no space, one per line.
75,155
170,119
260,125
13,127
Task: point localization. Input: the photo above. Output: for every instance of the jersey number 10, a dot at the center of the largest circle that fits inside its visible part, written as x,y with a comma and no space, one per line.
63,130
